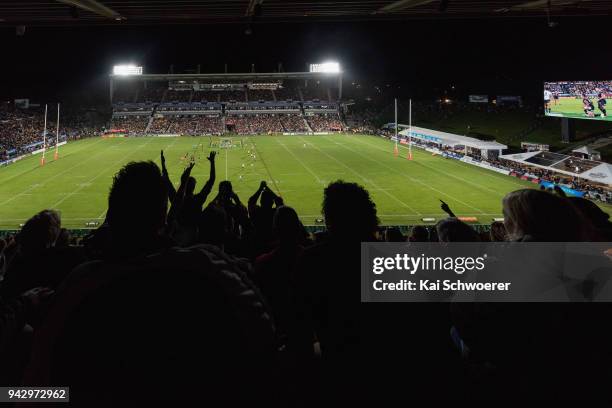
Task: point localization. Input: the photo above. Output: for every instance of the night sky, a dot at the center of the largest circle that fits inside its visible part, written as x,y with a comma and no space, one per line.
420,57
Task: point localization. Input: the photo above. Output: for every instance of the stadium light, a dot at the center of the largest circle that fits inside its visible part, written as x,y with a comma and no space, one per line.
329,67
125,70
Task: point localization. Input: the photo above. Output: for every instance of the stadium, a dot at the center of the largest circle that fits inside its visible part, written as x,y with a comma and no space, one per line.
288,129
180,211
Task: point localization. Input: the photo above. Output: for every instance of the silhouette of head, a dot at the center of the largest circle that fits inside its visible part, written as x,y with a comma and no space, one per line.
267,198
190,185
40,232
287,225
419,234
213,225
137,202
454,230
591,211
498,232
394,235
349,211
542,216
225,188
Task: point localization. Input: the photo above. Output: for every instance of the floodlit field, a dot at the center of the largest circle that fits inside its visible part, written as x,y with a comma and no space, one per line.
297,167
573,108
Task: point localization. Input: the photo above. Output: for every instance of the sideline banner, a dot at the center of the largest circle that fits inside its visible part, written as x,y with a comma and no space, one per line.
486,272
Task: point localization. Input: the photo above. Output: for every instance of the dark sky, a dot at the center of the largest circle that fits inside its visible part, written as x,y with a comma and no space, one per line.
480,56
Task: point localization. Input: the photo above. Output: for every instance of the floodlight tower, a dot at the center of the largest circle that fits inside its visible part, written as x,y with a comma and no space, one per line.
120,71
332,68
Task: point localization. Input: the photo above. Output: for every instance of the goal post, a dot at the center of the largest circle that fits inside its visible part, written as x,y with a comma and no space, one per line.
56,155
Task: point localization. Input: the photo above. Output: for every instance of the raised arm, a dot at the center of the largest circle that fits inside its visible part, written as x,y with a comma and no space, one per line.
177,204
447,209
169,185
278,200
252,204
207,188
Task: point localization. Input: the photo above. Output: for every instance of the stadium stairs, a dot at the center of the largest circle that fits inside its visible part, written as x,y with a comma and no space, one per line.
306,123
151,119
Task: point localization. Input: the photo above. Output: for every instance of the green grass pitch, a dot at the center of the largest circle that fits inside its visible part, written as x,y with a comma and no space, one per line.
297,167
573,108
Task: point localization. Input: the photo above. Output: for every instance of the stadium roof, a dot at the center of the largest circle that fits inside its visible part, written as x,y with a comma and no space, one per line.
74,12
451,139
585,150
601,173
228,76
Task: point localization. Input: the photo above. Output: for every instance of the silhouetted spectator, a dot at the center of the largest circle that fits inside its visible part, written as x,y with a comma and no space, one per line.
419,234
137,205
534,215
598,218
498,232
394,235
212,227
262,215
36,261
327,286
274,270
455,230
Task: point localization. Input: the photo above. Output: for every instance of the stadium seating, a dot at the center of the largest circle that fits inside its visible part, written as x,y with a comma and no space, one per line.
176,280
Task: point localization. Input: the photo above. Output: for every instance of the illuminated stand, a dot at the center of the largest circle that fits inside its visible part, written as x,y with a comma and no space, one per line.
327,71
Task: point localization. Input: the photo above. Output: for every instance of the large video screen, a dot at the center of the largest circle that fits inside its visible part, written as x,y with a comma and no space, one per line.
577,99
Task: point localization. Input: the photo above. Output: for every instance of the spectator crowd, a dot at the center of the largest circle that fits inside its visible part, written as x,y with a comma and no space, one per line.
193,294
21,131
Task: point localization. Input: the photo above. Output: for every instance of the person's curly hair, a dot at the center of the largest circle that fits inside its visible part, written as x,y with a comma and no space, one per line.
138,198
349,211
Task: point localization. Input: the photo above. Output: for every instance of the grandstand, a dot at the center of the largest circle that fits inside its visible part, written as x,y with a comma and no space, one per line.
213,104
444,141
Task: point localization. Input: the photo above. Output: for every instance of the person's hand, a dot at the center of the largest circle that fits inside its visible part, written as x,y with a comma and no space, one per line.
211,156
163,159
187,171
262,185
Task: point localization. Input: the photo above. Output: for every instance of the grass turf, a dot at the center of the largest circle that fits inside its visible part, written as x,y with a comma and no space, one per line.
297,167
573,108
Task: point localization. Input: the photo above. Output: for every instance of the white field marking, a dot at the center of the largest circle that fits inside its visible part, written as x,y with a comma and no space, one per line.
76,151
421,163
416,180
90,182
486,173
365,179
52,177
102,216
301,162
